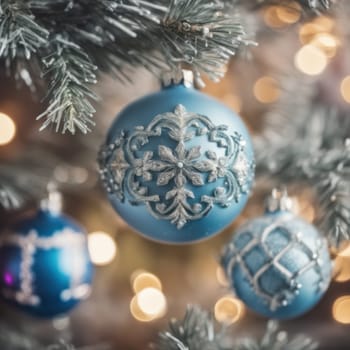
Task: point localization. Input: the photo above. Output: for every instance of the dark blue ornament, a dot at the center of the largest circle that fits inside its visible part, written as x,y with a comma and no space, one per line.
44,264
177,165
278,265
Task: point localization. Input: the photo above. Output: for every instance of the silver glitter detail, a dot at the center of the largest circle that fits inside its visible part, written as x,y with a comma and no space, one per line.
126,167
29,244
285,296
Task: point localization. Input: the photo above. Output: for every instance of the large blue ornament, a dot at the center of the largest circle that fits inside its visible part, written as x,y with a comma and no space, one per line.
178,165
45,267
278,265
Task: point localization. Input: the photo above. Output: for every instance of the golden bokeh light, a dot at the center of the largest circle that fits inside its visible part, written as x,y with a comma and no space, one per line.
344,249
311,60
320,25
146,280
152,302
341,271
102,248
228,310
345,89
7,129
325,23
266,90
272,19
328,43
289,14
137,313
341,310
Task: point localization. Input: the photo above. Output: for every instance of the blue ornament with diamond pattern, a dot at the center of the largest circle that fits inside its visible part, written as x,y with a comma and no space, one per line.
45,268
278,264
177,165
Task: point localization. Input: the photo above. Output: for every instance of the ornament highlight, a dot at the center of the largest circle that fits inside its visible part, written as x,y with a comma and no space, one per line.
44,263
278,264
177,165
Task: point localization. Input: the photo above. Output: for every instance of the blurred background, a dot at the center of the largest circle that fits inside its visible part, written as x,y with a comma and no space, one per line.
139,285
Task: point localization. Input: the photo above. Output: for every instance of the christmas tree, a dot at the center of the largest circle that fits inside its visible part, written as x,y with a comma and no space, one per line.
91,204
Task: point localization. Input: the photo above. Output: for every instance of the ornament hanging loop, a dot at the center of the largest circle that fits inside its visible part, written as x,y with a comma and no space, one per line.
53,201
279,201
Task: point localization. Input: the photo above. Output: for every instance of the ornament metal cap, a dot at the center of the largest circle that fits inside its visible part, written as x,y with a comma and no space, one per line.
279,201
53,201
178,76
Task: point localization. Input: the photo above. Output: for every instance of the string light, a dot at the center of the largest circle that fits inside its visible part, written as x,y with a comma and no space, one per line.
146,280
228,310
341,310
152,302
7,129
310,60
266,90
102,248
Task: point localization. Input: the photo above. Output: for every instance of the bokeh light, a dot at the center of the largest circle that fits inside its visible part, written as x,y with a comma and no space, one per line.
341,269
289,14
311,60
146,280
228,310
327,43
7,129
152,302
344,249
137,313
341,310
345,89
102,248
266,90
272,19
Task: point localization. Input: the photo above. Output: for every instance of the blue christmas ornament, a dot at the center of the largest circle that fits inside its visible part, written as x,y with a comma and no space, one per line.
45,267
278,264
177,165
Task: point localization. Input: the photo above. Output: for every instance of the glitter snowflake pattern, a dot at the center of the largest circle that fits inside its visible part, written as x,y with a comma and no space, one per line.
176,171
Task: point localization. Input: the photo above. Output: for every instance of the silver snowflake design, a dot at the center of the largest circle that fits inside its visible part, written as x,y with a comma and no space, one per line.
127,166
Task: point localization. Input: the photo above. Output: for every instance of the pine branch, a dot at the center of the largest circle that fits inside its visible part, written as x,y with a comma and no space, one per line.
276,339
113,36
333,187
202,35
20,34
14,340
9,198
319,157
196,332
70,70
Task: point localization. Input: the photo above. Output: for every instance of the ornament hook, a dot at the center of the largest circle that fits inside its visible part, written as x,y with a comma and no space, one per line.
53,201
279,201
